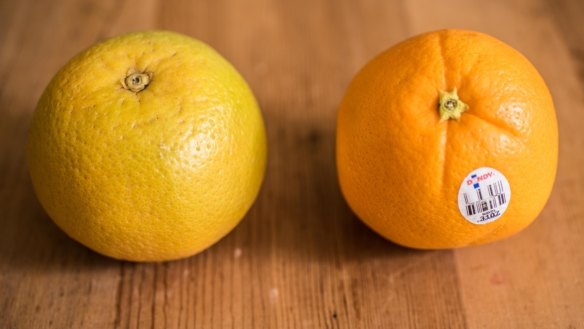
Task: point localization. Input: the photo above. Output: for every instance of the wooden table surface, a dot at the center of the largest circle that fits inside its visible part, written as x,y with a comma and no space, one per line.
300,259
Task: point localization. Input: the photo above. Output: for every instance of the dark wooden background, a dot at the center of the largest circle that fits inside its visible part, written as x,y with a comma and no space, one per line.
300,259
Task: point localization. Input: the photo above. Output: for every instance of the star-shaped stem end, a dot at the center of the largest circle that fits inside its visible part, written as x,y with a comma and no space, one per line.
450,106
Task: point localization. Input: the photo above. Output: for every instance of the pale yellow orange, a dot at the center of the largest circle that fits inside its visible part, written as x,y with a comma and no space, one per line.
147,174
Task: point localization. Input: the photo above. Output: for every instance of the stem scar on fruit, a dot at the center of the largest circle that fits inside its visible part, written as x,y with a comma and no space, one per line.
137,81
450,106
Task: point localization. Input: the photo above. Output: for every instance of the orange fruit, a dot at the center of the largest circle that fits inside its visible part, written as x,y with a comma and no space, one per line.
447,139
149,146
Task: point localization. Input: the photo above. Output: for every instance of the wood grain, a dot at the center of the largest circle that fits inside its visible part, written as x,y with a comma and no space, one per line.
300,259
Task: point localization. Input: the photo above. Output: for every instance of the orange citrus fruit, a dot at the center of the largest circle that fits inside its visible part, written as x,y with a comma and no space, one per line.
447,139
149,146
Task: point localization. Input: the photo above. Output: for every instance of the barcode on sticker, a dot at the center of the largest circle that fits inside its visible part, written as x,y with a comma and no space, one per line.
496,197
484,195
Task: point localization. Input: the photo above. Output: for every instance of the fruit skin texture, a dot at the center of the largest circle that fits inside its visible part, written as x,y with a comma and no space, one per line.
400,167
149,176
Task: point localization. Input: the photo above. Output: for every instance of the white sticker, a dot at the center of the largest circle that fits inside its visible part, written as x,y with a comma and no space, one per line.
484,195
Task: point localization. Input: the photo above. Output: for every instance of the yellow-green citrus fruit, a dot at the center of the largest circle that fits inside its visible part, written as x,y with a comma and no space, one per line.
147,147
